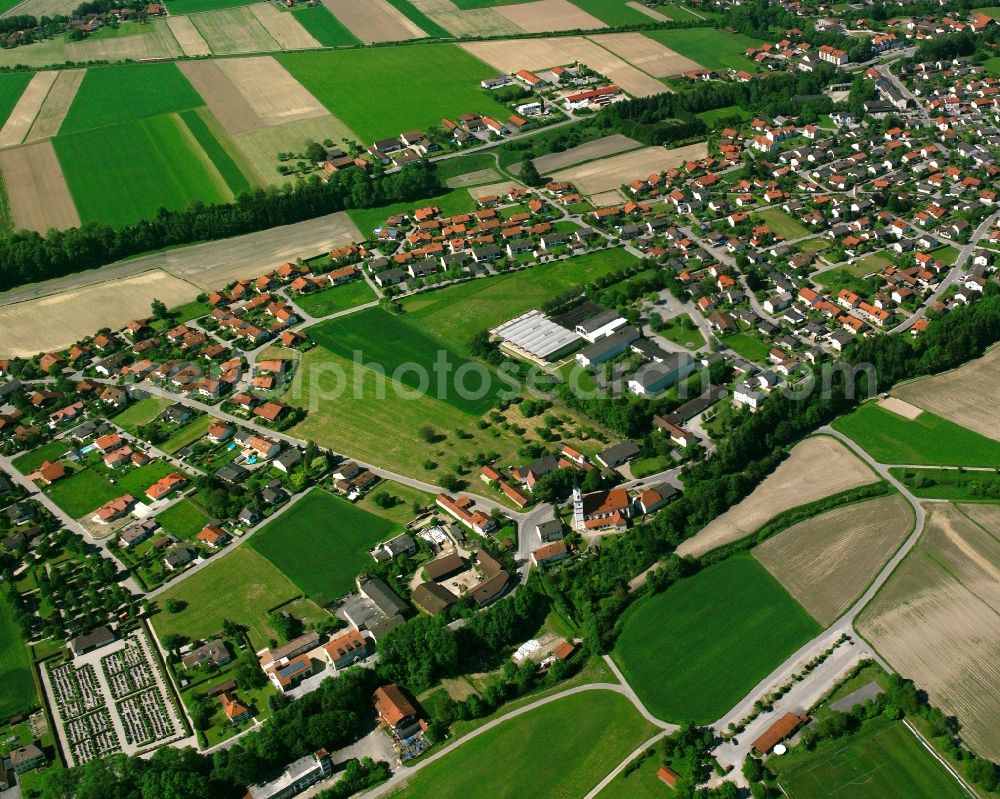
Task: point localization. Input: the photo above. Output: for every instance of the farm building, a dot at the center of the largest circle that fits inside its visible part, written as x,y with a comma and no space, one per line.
783,728
532,335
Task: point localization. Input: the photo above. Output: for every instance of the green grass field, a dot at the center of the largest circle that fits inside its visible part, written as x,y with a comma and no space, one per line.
27,462
126,92
157,166
454,313
421,20
751,348
455,201
726,113
640,784
183,519
883,760
693,650
324,27
12,86
240,585
681,330
82,492
990,11
712,48
140,413
406,87
15,666
928,440
945,483
561,750
647,466
336,298
136,481
613,12
194,6
402,351
782,224
321,543
466,5
228,168
188,434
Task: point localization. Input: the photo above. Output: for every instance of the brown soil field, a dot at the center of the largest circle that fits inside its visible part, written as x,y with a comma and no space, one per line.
471,22
261,147
965,396
603,198
649,12
153,41
234,30
23,327
514,54
815,468
827,562
56,105
646,54
900,407
274,95
187,36
549,15
283,27
223,99
937,622
374,20
610,173
473,178
36,188
494,188
26,109
599,148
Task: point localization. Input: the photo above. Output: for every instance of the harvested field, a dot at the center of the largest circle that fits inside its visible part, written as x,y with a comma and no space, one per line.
610,173
827,562
514,54
82,312
472,22
283,27
26,109
56,105
549,15
986,516
815,468
643,52
225,102
966,396
42,8
40,54
374,20
937,622
261,147
649,12
234,30
607,198
151,39
273,94
187,36
36,189
599,148
900,407
494,188
473,178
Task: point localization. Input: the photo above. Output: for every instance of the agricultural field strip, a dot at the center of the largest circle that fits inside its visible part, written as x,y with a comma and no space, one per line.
37,192
607,174
548,15
16,128
56,106
373,20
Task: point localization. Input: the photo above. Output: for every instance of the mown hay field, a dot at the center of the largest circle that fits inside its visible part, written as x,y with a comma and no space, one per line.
36,188
937,622
815,468
827,562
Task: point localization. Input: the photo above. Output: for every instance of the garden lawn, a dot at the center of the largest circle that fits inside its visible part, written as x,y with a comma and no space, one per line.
454,313
188,434
29,461
753,349
336,298
585,736
239,585
404,353
613,12
136,481
712,48
18,692
321,543
647,466
883,760
158,167
82,493
406,87
692,651
927,440
12,86
183,519
681,330
782,224
324,27
455,201
127,92
402,511
140,413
